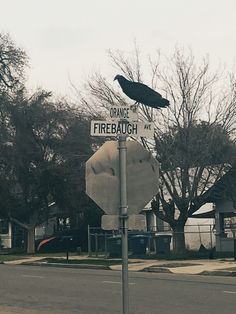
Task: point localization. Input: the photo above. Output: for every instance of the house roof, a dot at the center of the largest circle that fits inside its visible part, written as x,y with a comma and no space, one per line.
225,187
211,214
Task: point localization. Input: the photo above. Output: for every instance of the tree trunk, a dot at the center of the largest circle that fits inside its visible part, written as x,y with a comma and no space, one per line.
31,239
178,239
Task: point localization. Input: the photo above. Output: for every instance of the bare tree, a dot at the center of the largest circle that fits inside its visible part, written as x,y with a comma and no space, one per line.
194,139
13,61
196,147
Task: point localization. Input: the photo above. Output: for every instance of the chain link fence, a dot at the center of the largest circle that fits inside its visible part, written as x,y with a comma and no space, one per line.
200,240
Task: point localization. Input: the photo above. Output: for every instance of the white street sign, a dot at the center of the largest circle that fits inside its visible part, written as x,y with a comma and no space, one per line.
117,113
135,129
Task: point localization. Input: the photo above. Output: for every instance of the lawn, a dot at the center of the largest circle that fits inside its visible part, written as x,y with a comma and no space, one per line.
90,261
60,258
18,256
7,258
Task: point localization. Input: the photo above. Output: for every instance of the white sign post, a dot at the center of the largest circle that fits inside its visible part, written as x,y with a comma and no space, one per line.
124,221
124,123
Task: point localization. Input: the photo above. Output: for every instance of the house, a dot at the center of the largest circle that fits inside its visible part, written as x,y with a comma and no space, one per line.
223,197
11,235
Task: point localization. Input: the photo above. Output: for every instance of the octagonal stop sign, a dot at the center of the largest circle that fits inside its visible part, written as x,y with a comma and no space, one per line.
102,177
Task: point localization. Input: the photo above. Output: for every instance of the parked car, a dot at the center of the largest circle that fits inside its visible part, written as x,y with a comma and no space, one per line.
57,243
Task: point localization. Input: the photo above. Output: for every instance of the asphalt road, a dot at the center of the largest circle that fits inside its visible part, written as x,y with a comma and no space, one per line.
33,290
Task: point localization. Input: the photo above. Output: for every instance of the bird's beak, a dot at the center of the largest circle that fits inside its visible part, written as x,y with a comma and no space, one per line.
115,78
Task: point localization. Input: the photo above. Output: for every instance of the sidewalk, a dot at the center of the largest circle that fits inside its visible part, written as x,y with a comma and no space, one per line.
34,259
192,267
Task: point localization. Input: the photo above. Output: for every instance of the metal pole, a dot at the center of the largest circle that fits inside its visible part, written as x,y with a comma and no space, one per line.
105,239
96,244
211,237
89,243
124,221
234,244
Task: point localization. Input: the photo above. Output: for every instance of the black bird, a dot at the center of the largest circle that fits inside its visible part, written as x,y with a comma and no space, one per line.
141,93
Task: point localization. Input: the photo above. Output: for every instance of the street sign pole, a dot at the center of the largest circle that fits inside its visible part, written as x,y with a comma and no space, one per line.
123,220
109,186
234,235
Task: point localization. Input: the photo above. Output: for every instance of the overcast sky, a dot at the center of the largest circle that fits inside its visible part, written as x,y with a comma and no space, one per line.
70,38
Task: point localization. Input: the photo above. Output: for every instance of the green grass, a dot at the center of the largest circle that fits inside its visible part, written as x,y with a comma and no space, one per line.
100,259
11,256
173,256
59,254
91,261
7,258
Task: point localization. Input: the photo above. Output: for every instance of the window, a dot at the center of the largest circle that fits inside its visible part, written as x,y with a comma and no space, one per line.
4,226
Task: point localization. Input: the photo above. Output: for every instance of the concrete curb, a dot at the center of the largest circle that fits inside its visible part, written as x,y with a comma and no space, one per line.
144,268
227,273
156,270
62,265
218,273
